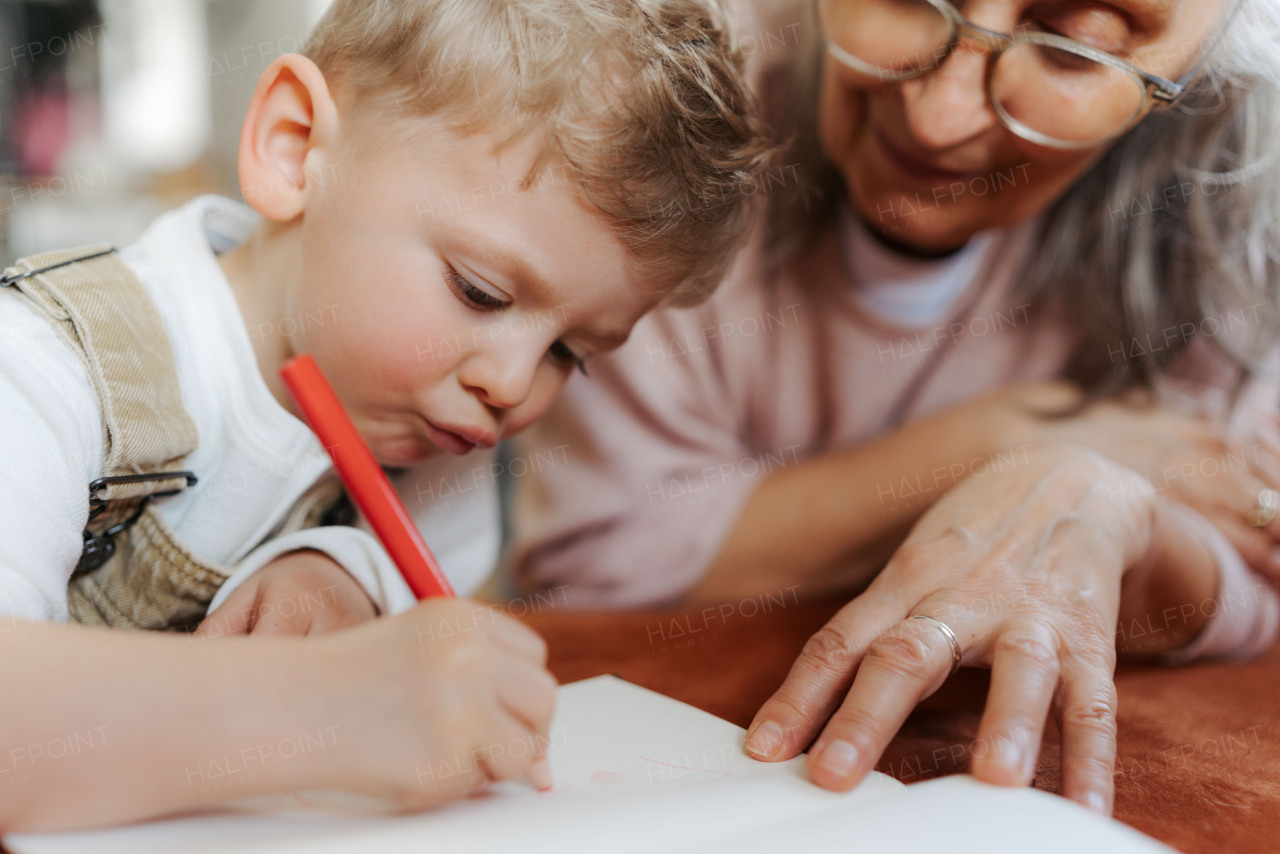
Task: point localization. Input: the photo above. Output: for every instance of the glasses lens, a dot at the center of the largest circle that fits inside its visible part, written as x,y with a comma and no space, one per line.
1066,96
887,39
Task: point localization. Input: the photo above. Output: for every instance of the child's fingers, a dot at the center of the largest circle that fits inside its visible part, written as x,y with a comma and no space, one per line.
339,611
528,694
279,615
235,616
539,774
514,751
517,638
333,620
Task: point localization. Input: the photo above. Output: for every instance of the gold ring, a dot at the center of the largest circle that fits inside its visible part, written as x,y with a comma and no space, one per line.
949,635
1266,511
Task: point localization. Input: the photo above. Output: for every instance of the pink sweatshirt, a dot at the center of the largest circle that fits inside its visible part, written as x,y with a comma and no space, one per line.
656,452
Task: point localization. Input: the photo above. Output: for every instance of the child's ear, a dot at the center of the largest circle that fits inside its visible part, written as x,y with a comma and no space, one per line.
288,133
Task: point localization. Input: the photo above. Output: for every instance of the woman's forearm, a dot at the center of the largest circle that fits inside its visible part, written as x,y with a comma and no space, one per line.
828,523
103,727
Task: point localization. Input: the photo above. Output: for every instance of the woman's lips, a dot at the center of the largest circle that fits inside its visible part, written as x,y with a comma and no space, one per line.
915,168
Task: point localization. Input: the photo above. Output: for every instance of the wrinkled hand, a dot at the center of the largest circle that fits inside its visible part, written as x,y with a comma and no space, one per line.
1189,460
299,593
1025,566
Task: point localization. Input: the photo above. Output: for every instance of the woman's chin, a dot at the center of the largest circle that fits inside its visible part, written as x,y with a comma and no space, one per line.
918,224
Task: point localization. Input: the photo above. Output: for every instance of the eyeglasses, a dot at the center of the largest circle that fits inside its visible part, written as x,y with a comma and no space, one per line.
1046,88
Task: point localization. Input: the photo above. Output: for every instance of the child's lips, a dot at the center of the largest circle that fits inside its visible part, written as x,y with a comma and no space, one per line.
457,440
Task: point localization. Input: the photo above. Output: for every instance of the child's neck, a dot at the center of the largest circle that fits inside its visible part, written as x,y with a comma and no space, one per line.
258,271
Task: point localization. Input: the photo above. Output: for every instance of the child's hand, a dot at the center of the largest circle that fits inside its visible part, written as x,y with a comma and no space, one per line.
433,704
299,593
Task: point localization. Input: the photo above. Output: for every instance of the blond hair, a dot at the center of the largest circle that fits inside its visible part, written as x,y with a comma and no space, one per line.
644,100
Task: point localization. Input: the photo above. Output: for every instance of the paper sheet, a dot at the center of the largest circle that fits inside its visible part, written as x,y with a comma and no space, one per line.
639,772
635,772
952,815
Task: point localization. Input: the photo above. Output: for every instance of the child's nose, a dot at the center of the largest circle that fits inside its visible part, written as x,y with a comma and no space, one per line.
949,105
501,380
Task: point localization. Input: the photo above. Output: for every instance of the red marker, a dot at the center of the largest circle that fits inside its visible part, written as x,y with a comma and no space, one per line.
365,479
373,494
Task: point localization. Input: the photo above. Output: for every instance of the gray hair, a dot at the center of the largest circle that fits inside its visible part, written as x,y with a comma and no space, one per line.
1183,214
1210,253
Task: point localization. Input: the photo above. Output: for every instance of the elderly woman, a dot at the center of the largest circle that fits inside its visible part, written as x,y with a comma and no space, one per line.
1012,327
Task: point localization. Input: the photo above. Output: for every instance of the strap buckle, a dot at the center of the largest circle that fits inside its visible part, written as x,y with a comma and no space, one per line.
97,503
98,548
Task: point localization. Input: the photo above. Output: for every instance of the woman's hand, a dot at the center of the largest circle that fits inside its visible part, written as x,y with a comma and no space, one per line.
1187,459
1025,567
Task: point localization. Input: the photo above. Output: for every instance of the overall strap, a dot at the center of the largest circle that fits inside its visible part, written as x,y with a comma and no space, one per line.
101,310
134,573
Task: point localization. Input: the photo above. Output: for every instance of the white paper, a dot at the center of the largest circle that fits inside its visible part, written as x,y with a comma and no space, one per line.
635,772
952,815
639,772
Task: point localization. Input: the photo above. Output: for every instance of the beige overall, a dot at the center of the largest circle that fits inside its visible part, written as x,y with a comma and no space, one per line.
133,573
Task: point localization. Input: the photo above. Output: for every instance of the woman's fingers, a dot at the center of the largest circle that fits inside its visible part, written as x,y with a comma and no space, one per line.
1087,720
1024,676
1266,503
1256,546
818,680
1039,555
901,667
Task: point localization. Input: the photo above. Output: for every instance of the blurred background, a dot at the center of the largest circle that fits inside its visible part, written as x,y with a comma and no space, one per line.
113,111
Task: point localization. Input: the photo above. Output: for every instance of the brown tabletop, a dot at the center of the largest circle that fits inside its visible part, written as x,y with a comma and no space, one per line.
1199,758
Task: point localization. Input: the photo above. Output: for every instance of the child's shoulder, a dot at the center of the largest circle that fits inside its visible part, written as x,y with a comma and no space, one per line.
44,386
29,337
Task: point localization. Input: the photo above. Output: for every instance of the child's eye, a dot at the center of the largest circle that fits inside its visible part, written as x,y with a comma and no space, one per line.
469,293
564,355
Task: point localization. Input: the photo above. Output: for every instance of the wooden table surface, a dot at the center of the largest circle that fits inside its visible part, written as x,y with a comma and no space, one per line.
1199,757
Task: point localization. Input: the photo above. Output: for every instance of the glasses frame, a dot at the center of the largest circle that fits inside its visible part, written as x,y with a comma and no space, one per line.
1157,92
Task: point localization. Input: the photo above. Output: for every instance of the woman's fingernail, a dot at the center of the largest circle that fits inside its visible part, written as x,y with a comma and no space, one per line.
765,740
839,757
1095,802
1008,756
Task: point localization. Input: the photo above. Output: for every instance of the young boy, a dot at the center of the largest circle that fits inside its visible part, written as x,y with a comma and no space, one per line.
475,197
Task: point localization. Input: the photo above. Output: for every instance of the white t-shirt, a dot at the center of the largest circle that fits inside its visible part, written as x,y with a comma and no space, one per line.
903,290
253,461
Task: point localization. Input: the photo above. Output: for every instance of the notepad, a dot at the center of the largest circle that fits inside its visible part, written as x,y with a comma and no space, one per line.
639,772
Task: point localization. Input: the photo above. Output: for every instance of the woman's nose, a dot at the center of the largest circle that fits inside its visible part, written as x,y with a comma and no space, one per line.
948,106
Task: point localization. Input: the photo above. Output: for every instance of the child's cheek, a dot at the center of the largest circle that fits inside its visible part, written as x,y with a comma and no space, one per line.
546,388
